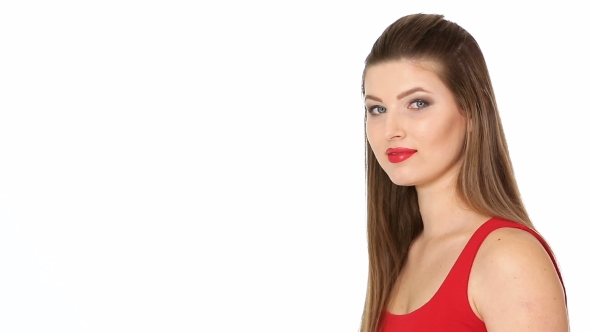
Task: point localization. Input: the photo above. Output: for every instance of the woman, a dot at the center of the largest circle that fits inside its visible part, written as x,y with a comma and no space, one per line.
451,246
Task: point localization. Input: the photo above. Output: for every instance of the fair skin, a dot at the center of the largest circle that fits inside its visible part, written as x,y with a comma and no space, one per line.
513,285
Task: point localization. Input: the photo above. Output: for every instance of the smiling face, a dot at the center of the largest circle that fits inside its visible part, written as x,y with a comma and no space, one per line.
411,113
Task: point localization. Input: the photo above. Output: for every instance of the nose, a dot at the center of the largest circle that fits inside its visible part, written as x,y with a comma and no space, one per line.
394,127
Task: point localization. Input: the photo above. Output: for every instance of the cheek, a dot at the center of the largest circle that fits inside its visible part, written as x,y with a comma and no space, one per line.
370,133
444,134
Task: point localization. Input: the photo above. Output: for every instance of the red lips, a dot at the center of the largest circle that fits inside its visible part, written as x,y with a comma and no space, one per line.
397,155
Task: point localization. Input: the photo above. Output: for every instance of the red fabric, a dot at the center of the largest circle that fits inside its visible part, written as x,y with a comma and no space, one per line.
449,308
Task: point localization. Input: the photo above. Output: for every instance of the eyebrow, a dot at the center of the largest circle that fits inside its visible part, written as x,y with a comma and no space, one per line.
401,95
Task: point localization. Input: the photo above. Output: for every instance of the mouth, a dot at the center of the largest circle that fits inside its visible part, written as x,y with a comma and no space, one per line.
397,155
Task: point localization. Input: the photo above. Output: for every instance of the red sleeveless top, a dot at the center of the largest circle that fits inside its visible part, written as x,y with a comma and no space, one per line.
449,309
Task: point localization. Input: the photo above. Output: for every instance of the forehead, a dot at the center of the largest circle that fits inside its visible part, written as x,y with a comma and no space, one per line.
393,77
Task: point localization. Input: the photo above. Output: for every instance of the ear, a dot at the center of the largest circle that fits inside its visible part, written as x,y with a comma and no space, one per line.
469,122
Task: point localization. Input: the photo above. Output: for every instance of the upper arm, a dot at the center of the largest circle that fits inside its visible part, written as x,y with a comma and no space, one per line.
516,286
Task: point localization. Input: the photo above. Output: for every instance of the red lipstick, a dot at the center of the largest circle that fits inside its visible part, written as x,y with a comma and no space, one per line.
397,155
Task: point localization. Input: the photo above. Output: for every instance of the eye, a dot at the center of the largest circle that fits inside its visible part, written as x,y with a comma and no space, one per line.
418,104
378,108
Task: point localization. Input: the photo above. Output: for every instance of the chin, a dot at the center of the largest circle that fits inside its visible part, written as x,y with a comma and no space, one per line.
402,181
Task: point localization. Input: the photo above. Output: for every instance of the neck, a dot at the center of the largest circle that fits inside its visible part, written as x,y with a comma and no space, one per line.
443,212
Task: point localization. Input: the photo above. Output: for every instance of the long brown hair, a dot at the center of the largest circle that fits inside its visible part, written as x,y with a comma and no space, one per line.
486,180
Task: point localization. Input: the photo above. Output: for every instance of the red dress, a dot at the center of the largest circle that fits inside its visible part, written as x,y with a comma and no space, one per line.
449,308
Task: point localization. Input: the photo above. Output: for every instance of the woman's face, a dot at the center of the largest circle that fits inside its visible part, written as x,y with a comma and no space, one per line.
414,126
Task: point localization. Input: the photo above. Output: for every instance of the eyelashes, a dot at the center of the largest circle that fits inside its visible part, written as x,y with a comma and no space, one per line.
372,109
415,104
422,103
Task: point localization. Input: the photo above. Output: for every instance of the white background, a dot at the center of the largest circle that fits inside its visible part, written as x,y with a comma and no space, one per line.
178,166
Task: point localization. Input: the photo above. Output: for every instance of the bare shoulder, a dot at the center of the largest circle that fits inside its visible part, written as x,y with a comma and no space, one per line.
514,285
